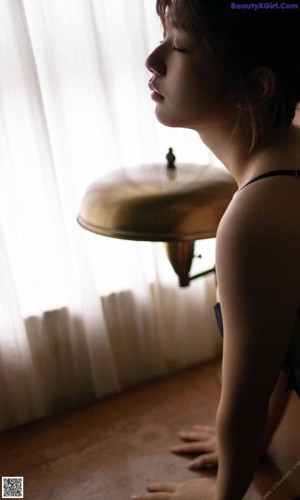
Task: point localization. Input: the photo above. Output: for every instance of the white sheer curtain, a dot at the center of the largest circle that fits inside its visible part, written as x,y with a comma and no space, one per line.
83,316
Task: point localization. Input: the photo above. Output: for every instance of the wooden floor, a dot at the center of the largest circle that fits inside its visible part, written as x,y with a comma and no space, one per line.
111,449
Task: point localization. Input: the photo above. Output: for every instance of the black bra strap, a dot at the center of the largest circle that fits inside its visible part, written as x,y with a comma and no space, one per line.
294,173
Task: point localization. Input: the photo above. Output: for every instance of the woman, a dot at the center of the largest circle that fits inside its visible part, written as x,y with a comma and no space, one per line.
233,76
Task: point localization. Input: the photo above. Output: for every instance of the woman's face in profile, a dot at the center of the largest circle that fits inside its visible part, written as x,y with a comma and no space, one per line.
188,82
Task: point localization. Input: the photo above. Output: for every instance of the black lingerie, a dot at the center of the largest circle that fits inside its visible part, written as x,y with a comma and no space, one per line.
274,173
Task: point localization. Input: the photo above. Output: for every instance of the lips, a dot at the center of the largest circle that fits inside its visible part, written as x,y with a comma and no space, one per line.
155,92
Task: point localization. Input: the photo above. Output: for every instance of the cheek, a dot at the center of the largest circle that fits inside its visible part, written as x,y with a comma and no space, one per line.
190,101
194,93
201,82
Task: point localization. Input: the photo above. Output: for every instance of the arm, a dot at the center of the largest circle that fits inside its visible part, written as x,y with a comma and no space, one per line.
259,301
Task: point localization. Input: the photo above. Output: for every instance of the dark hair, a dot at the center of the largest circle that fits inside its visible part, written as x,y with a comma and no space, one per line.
248,39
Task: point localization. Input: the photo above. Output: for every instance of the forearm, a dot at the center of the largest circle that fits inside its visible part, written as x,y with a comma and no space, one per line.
241,432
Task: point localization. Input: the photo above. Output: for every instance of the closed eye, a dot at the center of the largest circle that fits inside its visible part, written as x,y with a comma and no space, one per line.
174,47
178,49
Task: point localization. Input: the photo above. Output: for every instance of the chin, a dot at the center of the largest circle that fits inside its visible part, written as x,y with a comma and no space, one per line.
171,121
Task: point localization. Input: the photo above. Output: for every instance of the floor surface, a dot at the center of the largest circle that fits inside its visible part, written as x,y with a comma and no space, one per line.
111,449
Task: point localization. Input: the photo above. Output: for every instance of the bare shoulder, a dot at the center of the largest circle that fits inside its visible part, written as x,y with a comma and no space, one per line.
258,251
264,217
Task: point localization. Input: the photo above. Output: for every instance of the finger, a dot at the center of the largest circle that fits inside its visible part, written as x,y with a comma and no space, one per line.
210,460
194,435
206,428
162,487
193,447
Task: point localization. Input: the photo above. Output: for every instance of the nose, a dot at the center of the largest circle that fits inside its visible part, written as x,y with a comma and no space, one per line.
155,62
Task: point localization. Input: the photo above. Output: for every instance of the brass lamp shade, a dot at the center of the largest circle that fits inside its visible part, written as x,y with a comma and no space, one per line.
153,203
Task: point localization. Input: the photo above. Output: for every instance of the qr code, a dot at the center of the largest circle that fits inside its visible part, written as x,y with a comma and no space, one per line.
12,487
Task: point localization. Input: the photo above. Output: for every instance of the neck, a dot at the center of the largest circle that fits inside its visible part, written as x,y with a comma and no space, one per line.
281,152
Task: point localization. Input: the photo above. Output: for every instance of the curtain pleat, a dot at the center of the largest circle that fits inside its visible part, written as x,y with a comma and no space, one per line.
83,316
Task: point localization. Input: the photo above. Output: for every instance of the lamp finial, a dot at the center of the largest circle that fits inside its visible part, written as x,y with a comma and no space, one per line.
171,158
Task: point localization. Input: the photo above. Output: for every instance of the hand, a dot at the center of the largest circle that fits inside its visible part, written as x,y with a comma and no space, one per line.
195,489
202,440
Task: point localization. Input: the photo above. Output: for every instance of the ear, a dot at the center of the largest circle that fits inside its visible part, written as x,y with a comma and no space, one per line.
261,85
